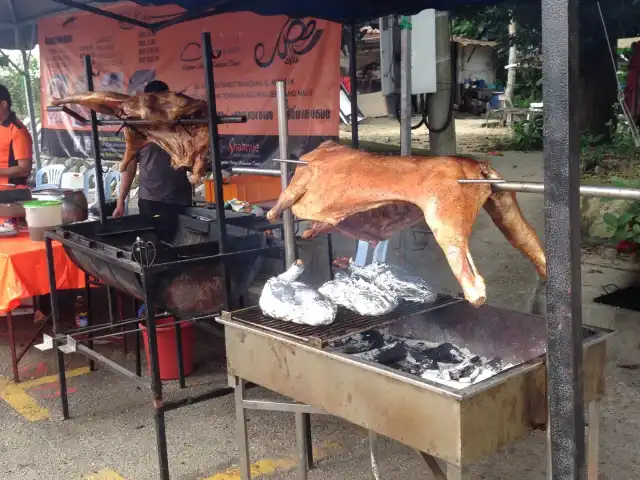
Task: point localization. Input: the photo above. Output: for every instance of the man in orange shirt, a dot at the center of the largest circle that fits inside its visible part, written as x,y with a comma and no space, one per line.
16,149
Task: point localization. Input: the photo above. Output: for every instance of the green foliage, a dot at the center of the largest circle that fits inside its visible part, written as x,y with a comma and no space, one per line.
14,81
596,149
626,226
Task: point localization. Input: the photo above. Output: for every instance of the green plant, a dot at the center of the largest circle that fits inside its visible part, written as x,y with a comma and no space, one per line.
625,227
528,134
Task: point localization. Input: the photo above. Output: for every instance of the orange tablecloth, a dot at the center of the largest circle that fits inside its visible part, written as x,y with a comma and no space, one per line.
24,273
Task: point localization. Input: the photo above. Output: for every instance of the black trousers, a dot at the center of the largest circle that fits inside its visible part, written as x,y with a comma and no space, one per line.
151,207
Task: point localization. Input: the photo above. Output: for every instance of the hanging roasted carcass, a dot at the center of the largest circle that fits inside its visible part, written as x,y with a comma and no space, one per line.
187,145
368,197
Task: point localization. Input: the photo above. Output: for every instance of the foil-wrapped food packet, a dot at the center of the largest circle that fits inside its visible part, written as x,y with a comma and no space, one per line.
394,281
285,299
358,295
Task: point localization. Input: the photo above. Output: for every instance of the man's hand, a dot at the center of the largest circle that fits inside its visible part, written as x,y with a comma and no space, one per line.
119,211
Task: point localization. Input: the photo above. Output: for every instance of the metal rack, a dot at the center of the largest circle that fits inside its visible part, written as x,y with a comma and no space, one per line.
149,274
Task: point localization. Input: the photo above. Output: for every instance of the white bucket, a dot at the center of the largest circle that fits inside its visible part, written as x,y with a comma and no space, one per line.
42,215
72,181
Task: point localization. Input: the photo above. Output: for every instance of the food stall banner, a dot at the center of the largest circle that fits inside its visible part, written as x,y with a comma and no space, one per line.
251,52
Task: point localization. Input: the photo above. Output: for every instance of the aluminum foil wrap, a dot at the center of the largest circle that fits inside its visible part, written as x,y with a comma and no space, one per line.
358,295
285,299
395,282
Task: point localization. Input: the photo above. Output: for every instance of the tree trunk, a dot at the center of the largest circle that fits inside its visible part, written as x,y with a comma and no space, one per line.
513,59
597,83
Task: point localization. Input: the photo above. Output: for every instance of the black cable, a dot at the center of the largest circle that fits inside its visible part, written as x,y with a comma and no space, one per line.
423,100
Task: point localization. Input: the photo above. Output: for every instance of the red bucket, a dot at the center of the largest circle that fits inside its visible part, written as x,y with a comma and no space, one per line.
168,348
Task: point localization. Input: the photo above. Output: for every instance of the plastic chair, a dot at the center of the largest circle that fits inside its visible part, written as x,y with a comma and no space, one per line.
53,175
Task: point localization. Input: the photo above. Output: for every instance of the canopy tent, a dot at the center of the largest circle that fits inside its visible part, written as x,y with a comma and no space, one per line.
23,15
562,166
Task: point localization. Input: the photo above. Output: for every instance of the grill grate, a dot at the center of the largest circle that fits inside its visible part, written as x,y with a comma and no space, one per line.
347,323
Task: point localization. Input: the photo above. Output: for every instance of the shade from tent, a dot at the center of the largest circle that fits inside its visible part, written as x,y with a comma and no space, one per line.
24,14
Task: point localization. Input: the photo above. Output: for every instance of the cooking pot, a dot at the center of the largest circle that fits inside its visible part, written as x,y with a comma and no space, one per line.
74,202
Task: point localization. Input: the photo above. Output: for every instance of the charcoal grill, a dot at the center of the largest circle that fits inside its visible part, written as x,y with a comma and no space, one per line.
458,426
190,278
346,324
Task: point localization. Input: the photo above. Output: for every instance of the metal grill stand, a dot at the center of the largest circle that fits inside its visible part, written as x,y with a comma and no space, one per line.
565,385
150,274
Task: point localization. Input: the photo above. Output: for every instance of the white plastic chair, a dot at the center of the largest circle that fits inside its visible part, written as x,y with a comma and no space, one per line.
53,174
107,179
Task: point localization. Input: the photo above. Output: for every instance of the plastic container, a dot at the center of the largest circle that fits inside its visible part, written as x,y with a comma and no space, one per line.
168,348
72,181
42,215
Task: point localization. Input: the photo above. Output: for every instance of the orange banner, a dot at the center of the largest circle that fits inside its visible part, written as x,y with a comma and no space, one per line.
251,53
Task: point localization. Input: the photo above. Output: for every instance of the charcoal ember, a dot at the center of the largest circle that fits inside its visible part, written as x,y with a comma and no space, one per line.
495,365
475,373
385,355
417,357
446,353
464,369
360,343
411,368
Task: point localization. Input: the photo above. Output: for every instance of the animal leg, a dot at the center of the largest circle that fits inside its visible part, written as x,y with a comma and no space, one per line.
503,209
134,143
316,229
451,221
291,194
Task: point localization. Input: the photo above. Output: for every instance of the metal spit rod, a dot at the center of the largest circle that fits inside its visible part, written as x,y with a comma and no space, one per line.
594,191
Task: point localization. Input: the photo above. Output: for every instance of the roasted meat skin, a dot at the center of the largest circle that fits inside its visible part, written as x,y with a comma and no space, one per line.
187,145
368,197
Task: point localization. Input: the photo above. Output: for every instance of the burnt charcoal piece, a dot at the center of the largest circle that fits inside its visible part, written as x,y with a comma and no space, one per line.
464,369
475,373
386,355
446,353
363,342
495,365
407,366
417,357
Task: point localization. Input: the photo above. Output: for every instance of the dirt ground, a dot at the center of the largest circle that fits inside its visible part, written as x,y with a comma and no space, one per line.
471,135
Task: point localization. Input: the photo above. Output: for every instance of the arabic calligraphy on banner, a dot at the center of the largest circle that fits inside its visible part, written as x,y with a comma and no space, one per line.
251,53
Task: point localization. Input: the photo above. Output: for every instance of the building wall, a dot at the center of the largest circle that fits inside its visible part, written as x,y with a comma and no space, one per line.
476,62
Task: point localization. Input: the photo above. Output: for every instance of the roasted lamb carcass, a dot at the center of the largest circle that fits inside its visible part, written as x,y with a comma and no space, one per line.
368,197
187,145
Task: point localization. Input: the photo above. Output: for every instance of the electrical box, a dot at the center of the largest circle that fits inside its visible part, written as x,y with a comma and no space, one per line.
423,53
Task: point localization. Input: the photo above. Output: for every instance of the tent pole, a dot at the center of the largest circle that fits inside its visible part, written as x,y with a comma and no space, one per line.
405,87
95,141
30,105
353,94
562,232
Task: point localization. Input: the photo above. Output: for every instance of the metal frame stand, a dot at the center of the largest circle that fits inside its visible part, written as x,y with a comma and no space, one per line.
63,342
17,356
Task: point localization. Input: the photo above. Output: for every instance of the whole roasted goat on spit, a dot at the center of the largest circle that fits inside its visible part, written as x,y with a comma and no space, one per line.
368,197
187,145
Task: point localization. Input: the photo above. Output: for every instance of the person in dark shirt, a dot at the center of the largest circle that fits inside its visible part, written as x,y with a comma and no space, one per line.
162,188
16,145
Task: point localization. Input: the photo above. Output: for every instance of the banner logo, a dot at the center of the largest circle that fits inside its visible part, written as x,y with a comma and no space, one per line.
296,39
